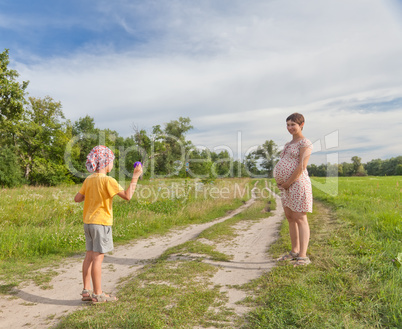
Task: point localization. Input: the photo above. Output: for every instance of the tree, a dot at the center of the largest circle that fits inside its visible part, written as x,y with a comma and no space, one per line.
358,169
332,170
84,138
340,169
170,147
142,139
84,126
398,170
262,161
356,161
239,169
270,156
222,164
328,170
200,163
10,171
374,167
390,165
12,93
178,128
347,169
40,138
176,144
312,170
131,153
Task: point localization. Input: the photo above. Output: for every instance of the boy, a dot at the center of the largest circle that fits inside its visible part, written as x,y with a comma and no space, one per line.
97,192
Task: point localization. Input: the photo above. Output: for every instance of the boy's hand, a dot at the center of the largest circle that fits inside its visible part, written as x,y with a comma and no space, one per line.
137,171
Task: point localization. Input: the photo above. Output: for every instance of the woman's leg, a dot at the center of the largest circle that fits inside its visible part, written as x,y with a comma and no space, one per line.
304,232
293,230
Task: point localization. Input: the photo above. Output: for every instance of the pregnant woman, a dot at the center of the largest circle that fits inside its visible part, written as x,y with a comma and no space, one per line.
292,179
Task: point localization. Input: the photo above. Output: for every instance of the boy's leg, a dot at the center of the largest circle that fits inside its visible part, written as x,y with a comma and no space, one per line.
96,272
101,242
87,270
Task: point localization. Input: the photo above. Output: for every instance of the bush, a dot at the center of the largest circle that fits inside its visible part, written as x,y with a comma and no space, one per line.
11,174
398,170
48,173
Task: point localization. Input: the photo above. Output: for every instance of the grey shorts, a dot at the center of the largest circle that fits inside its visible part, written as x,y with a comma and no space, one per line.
98,238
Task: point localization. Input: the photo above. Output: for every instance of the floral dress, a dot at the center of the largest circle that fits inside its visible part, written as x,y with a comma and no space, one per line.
298,197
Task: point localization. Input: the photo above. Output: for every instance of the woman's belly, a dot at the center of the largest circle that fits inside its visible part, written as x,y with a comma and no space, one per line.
283,170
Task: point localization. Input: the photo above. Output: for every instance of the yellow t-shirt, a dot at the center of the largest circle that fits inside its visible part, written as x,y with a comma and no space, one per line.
99,191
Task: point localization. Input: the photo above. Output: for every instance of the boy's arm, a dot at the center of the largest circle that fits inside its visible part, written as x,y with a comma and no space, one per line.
79,197
128,194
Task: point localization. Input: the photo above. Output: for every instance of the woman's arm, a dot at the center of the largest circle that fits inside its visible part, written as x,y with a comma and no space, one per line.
304,156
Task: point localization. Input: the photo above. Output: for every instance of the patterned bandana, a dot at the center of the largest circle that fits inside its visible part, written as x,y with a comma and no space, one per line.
99,157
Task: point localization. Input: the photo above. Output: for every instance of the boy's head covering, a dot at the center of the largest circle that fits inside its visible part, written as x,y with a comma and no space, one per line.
99,157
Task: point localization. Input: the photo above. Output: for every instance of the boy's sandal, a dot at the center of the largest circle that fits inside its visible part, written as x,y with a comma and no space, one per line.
86,295
290,256
302,261
102,298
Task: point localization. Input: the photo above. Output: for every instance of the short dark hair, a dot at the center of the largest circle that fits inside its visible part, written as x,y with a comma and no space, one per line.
296,117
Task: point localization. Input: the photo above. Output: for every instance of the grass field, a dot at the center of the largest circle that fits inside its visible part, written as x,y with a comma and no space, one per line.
39,225
354,280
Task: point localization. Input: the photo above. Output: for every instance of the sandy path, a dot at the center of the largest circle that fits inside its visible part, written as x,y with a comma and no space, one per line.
33,307
250,257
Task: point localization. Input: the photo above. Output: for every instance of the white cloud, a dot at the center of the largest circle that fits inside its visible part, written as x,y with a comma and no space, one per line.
243,68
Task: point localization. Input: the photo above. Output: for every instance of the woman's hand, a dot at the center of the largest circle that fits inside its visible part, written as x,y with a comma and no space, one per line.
283,186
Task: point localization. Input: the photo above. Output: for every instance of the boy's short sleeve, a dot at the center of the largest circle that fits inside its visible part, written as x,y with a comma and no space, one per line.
306,143
113,187
82,189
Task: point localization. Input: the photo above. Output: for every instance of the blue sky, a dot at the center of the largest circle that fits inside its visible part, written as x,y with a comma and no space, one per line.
236,68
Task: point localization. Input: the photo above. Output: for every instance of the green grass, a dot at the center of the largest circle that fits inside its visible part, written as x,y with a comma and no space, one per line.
42,225
352,281
194,247
162,295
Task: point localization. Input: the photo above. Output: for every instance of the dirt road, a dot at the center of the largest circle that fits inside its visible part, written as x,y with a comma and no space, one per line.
33,307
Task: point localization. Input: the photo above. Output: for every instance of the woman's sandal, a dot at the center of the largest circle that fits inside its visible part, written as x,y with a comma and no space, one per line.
86,295
103,298
302,261
290,256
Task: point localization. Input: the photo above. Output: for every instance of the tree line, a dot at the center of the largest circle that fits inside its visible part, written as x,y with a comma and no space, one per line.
39,146
376,167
